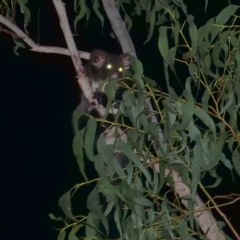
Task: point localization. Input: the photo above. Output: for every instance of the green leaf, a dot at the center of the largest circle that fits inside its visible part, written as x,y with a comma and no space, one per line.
74,230
222,18
137,216
236,161
192,70
142,201
128,21
52,217
151,216
110,90
215,56
187,111
206,3
195,166
155,181
133,157
207,63
218,147
184,230
78,151
118,222
206,97
100,168
18,45
176,31
75,119
138,187
118,168
90,229
207,66
164,48
65,204
162,168
134,107
231,141
81,14
216,184
151,82
206,146
233,114
129,169
167,126
138,71
221,225
206,119
114,190
62,235
224,42
101,144
26,13
109,208
193,32
89,140
202,48
93,204
233,39
184,7
237,71
225,14
192,130
96,10
152,23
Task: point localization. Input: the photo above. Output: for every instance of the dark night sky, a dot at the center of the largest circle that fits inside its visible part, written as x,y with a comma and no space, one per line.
37,96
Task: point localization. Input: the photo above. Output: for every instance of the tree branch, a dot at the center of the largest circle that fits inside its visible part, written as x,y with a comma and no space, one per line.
119,27
71,51
18,33
82,80
202,215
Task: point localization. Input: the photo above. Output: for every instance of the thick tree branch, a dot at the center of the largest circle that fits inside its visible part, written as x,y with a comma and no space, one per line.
59,6
82,80
203,216
119,27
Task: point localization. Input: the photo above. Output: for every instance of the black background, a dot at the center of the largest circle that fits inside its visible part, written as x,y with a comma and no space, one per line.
38,94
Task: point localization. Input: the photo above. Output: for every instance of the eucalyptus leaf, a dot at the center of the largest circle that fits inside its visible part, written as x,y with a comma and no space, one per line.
90,229
207,120
131,156
187,111
74,230
118,221
236,161
96,10
193,32
93,204
164,47
83,12
65,204
89,140
78,150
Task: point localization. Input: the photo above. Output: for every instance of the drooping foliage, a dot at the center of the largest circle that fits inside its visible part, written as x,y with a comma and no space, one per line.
193,133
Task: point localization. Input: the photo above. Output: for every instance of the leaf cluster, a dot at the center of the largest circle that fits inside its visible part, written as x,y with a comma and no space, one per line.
194,133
